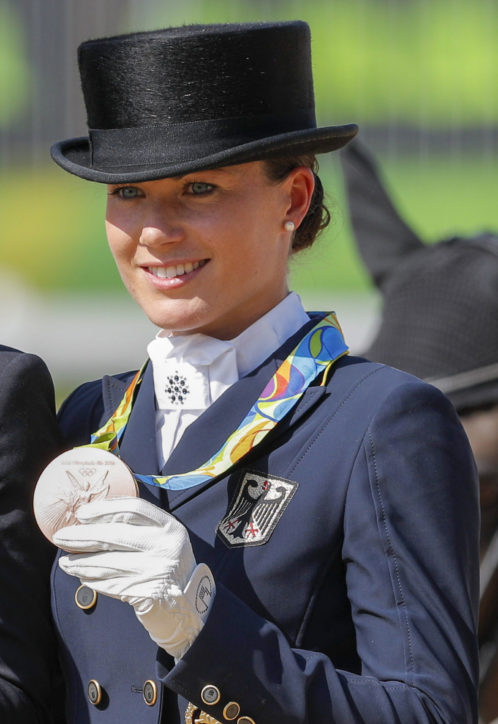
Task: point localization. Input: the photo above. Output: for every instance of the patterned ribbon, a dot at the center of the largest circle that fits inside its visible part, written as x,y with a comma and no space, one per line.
317,351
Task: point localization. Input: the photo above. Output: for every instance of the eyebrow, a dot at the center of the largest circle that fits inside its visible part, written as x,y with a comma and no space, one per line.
227,170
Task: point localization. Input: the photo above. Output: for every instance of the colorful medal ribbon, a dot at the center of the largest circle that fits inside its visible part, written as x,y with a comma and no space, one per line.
319,349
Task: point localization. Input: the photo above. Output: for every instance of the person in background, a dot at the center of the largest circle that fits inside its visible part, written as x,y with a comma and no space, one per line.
439,321
302,549
29,438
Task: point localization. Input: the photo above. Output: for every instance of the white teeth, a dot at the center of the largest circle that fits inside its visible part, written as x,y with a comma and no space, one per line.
169,272
158,271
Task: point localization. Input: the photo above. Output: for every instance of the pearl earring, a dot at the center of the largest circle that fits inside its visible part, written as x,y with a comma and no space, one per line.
289,226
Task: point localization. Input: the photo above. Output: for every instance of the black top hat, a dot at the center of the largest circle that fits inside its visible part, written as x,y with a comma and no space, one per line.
172,101
440,301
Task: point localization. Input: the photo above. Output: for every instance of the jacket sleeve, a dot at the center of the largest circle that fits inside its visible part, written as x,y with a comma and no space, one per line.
410,554
29,676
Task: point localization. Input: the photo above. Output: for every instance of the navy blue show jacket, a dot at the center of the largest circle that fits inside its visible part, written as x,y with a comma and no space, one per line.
29,439
359,603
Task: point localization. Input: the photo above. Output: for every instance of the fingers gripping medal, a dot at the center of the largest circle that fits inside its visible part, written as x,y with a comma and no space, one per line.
78,476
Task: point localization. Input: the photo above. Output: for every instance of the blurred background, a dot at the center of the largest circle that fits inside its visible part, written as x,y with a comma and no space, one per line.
420,77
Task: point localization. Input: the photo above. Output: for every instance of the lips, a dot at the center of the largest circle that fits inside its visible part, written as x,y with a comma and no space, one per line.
177,270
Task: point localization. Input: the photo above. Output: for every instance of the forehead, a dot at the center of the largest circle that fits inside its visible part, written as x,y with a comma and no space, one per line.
251,168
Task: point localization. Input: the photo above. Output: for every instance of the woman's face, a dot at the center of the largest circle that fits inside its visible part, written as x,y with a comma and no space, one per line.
206,252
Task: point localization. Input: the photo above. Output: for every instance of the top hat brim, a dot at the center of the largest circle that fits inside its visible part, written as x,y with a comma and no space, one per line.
74,155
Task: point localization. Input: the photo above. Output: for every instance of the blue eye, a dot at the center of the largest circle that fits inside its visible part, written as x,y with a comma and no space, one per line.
200,187
127,192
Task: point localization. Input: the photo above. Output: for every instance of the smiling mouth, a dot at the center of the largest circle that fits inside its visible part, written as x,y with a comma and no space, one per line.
170,272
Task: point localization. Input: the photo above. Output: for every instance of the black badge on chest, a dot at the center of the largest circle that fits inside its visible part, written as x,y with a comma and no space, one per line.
257,506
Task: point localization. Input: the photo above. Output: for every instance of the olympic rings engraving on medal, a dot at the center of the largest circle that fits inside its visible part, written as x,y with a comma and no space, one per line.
86,472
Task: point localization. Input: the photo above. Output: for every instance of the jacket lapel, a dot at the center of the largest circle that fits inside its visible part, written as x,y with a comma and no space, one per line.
138,445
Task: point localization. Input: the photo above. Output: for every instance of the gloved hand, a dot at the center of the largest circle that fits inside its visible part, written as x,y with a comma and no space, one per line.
129,549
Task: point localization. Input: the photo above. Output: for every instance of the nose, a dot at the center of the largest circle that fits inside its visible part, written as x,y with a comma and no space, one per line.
160,228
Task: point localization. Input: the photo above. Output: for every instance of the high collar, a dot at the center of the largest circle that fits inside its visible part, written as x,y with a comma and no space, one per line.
252,346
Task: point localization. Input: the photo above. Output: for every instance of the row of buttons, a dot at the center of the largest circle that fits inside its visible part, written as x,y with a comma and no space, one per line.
211,695
85,598
96,692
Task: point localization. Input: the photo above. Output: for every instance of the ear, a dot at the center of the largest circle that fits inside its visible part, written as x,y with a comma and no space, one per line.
300,184
382,237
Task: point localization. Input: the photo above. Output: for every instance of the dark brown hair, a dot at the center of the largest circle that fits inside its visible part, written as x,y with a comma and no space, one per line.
318,216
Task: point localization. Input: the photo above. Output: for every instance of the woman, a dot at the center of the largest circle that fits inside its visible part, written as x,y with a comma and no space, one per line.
304,547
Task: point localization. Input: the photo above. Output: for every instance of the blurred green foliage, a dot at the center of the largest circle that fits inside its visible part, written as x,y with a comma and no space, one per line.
438,196
417,61
429,61
14,70
53,223
53,230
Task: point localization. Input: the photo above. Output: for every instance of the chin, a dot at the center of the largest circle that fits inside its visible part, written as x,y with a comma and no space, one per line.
177,323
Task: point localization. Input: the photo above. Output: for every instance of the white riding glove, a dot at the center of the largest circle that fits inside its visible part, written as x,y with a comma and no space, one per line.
129,549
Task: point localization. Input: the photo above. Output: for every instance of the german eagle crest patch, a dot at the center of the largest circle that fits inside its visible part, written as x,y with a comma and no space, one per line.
255,510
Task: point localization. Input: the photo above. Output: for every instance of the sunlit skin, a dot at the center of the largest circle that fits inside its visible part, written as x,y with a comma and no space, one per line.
225,227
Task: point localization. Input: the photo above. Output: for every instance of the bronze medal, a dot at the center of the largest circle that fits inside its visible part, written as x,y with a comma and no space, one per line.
76,477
